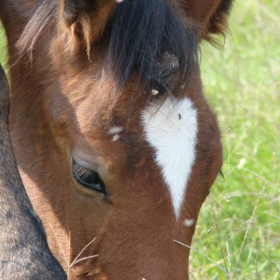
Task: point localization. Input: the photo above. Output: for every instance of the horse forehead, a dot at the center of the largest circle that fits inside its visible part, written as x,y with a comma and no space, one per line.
103,106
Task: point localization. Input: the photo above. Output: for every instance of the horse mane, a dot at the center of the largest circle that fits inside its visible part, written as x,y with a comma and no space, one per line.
147,36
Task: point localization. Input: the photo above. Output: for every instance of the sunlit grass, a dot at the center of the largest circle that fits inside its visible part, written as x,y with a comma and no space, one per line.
239,224
3,52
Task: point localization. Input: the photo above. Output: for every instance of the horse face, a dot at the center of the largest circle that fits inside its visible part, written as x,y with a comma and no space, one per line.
119,148
156,159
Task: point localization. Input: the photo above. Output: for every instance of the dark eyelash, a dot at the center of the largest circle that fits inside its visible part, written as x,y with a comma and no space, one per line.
82,172
88,179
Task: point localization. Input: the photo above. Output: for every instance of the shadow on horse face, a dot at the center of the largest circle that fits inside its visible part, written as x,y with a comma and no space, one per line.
24,253
118,144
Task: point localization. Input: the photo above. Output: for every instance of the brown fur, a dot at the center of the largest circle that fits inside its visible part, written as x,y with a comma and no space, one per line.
210,16
60,107
88,26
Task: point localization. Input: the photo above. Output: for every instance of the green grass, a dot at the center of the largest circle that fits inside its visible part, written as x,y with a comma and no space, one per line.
239,225
3,52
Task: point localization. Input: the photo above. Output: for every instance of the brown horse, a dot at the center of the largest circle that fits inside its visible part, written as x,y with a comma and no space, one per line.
116,144
24,253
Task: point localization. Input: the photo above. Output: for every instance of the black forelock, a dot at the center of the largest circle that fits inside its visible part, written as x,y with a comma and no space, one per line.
149,36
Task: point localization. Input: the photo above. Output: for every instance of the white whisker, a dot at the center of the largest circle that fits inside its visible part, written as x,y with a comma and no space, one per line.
75,261
59,245
185,245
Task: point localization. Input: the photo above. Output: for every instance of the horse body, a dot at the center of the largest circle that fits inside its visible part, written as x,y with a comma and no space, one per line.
115,142
24,253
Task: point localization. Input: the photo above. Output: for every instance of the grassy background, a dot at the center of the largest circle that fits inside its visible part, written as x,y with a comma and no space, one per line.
238,232
239,225
3,53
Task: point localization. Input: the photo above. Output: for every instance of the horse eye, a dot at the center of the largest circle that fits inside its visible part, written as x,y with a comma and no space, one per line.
88,179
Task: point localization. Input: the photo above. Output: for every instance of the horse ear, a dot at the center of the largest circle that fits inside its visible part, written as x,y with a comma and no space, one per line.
210,14
72,9
87,19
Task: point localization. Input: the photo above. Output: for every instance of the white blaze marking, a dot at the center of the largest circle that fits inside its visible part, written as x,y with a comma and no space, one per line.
172,130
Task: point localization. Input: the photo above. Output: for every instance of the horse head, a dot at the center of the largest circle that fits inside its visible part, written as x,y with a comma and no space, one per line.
116,143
